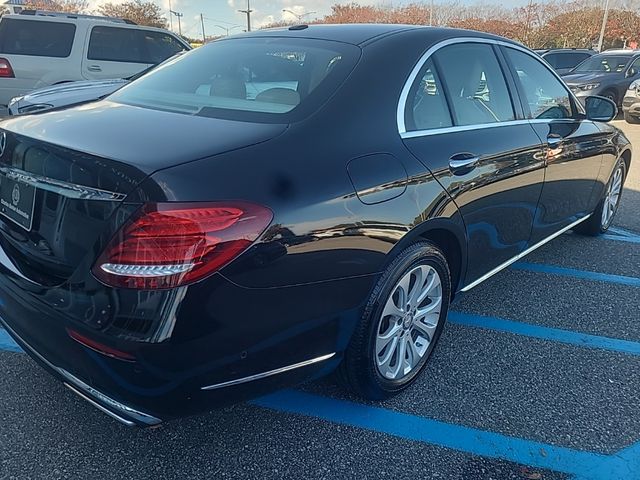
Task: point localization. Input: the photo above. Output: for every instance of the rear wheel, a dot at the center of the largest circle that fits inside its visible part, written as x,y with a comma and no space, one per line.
401,324
631,119
603,215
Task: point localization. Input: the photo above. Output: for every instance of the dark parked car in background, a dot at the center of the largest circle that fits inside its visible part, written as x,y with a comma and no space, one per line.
270,207
607,74
563,60
631,103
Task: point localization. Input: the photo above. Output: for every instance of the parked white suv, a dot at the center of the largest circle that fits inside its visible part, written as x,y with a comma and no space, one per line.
39,49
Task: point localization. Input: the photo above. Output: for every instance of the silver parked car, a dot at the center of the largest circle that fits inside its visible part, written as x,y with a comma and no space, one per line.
631,103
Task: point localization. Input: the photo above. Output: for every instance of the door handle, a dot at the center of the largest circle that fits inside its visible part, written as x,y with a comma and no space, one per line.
554,141
463,160
94,68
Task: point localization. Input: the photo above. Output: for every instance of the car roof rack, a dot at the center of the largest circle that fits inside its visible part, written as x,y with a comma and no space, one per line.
46,13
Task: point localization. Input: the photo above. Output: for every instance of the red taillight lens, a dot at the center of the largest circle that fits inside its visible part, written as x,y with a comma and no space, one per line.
169,245
5,69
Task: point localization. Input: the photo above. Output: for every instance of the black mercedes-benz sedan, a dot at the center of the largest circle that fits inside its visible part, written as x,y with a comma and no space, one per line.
273,206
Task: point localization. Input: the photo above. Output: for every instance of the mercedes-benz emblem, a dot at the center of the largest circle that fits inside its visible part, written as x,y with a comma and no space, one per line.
3,142
15,195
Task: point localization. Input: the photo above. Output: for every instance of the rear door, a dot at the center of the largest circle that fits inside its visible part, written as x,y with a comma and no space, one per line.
573,145
460,120
114,52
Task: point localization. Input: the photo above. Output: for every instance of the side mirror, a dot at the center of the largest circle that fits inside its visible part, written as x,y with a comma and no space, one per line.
600,109
632,72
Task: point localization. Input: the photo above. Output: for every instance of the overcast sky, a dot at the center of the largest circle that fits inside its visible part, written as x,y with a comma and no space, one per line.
224,12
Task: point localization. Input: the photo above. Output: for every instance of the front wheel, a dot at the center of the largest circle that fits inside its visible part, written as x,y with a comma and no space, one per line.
602,218
401,324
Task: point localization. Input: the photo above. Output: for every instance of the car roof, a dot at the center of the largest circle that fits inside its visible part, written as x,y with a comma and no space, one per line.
568,50
620,52
360,33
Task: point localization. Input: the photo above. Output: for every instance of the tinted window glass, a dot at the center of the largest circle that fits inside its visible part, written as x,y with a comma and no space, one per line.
544,94
475,84
426,105
160,46
259,79
565,60
604,63
116,45
46,39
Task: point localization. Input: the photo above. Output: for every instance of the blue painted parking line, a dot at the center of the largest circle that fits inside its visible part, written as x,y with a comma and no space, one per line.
469,440
7,343
572,272
620,238
623,232
546,333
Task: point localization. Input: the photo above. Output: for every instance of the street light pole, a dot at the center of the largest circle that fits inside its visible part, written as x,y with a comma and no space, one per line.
431,14
299,16
605,17
204,37
248,12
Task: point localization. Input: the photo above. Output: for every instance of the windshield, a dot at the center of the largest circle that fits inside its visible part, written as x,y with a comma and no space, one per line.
253,79
604,64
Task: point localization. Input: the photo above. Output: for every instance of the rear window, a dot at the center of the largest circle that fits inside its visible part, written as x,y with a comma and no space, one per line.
252,79
36,38
131,45
565,60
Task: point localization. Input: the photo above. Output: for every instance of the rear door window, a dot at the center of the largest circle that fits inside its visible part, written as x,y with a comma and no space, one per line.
475,84
36,38
113,44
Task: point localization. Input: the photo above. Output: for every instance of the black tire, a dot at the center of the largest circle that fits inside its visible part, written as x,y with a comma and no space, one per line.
611,95
631,119
594,226
358,370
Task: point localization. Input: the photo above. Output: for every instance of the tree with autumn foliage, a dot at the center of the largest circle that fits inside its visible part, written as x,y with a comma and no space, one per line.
66,6
142,13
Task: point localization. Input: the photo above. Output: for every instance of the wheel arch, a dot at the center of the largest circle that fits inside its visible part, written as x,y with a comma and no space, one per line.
626,158
449,235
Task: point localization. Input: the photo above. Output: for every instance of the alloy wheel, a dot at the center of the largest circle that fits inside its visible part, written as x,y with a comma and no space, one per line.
612,198
408,322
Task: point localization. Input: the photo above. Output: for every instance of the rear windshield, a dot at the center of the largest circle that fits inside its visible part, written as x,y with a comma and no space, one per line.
252,79
604,63
36,38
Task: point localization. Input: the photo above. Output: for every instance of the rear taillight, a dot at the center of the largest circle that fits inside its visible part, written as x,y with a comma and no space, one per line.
168,245
5,69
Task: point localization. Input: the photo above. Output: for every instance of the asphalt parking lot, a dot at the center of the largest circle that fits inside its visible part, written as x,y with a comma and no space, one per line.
536,377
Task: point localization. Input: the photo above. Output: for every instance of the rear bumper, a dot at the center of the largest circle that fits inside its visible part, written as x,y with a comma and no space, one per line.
115,409
215,357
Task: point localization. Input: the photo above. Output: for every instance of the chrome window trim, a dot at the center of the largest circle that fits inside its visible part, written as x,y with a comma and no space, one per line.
404,95
523,254
269,373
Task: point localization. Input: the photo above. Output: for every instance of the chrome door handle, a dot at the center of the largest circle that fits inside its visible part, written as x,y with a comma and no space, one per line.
554,141
94,68
463,160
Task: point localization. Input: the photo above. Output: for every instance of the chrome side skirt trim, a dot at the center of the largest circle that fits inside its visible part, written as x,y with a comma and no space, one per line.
270,373
522,254
66,189
89,393
106,411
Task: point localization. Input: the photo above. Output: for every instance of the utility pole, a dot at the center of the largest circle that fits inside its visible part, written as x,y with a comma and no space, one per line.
248,12
179,15
605,17
204,37
170,17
